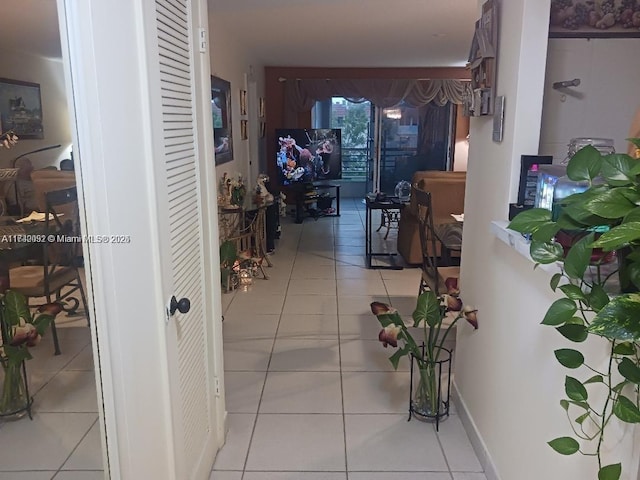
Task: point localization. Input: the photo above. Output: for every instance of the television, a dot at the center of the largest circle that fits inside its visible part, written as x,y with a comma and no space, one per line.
307,155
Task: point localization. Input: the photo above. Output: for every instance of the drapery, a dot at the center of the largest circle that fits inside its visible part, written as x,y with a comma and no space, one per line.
301,94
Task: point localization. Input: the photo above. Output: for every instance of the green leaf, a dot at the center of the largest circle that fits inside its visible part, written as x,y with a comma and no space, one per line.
635,141
575,333
609,204
594,379
228,253
626,410
545,232
15,308
530,220
427,309
555,280
618,320
598,298
564,404
42,322
545,253
583,405
575,389
397,355
578,257
620,386
585,164
569,358
610,472
617,168
575,321
565,445
618,236
624,349
560,311
629,370
573,292
580,420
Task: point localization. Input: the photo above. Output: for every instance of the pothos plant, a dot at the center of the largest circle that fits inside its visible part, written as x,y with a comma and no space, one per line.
600,295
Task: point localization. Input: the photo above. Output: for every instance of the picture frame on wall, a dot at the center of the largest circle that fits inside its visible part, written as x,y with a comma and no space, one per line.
261,108
21,108
589,19
221,112
243,102
244,134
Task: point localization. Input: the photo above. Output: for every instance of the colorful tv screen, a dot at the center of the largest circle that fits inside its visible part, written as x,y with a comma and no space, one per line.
309,155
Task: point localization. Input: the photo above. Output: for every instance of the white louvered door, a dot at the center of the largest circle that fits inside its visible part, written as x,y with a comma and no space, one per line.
188,346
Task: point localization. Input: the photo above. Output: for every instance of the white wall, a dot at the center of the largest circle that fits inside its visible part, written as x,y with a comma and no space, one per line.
55,113
606,99
505,372
233,62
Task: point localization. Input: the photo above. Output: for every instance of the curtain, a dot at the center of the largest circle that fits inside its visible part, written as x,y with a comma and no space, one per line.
301,94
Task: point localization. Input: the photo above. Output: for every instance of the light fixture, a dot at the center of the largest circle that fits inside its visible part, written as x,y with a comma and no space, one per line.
393,113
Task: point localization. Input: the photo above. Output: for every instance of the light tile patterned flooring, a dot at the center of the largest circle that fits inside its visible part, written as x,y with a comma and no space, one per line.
310,392
62,442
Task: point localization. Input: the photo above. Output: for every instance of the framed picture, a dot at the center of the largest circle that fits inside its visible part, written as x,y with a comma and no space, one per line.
221,111
589,19
243,102
263,127
21,108
244,134
261,108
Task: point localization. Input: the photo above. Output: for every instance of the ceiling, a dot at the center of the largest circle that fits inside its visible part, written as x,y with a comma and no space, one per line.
350,33
318,33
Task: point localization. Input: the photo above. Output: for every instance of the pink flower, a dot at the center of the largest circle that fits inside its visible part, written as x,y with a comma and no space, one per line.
379,308
389,335
453,303
25,333
470,315
452,286
52,309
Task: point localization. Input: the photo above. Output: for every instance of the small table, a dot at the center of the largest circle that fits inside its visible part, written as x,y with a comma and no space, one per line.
448,232
392,205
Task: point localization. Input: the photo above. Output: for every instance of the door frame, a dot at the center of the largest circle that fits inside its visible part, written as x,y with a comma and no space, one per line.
105,64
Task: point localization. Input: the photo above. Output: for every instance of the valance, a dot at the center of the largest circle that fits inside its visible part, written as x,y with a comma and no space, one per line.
301,94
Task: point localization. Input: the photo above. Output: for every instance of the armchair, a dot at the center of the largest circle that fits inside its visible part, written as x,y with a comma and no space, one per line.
447,197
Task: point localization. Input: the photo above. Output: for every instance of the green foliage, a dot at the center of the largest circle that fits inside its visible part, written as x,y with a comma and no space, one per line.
604,218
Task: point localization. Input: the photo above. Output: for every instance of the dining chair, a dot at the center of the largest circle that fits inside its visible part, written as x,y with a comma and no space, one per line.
433,276
57,278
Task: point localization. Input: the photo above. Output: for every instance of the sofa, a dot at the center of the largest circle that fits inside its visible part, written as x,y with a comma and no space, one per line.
447,197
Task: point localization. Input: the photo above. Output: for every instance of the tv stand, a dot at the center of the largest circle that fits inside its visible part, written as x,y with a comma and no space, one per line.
307,194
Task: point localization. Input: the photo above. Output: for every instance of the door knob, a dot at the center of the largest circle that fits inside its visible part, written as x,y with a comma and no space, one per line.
183,305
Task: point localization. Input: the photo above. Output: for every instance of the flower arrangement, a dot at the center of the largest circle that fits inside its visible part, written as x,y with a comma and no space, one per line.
430,313
20,331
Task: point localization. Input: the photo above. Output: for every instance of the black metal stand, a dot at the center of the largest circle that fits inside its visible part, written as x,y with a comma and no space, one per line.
443,400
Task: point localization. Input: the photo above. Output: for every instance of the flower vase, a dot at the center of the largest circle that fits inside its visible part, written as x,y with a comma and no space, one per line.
430,386
14,395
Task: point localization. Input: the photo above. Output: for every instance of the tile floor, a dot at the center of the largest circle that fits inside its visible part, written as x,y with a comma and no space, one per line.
310,392
62,442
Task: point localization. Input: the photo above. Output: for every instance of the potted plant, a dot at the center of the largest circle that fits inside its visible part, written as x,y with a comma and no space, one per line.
427,399
228,265
600,297
20,330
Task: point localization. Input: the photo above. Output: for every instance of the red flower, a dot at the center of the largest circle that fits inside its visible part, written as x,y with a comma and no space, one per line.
470,315
453,303
452,286
52,309
379,308
25,333
389,335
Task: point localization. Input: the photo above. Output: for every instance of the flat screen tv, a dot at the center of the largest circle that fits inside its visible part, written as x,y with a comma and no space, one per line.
309,155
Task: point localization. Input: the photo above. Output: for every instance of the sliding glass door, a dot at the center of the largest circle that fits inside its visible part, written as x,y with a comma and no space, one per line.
413,139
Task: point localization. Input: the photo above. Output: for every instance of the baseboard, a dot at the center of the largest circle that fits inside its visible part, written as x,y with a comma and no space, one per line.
490,470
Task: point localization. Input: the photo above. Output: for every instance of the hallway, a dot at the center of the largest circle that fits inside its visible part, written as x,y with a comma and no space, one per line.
310,391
